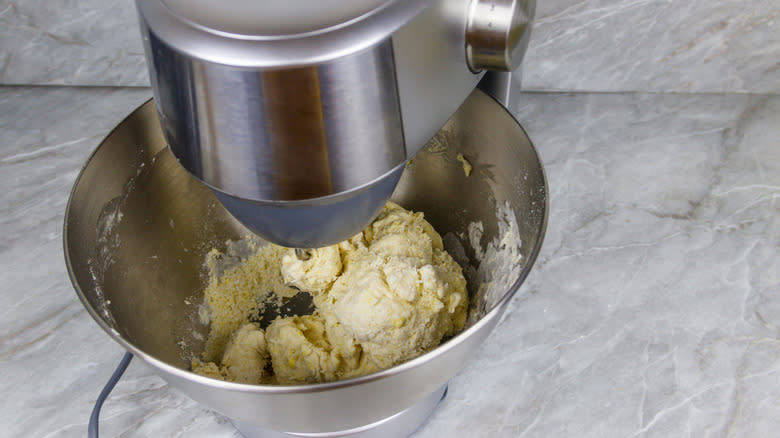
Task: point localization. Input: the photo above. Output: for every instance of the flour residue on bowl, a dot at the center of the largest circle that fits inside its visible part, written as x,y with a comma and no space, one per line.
107,241
496,265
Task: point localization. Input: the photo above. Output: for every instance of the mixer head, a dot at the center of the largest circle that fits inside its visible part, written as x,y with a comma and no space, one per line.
301,115
312,223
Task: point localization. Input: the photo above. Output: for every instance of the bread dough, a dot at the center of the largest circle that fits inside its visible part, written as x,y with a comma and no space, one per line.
301,351
234,296
387,295
401,293
245,359
315,274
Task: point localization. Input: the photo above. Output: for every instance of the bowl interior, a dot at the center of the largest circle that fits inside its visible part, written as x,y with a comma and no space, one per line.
138,226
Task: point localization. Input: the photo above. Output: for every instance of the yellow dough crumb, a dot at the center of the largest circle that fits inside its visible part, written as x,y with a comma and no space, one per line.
235,296
466,165
387,295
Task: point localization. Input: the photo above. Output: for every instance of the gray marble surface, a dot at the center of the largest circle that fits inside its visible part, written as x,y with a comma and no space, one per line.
656,45
653,310
577,45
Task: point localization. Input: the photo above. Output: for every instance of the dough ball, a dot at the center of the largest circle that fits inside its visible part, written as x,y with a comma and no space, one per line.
245,358
246,355
399,297
315,274
300,351
397,231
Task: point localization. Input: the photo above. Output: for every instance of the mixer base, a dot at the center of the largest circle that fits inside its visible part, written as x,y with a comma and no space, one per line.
401,424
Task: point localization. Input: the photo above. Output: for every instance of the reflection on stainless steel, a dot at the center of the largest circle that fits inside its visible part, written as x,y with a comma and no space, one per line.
313,223
266,119
286,134
498,84
399,425
247,36
433,77
497,33
152,281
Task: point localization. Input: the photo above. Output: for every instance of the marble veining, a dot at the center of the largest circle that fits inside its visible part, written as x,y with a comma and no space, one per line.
652,312
655,45
577,45
64,42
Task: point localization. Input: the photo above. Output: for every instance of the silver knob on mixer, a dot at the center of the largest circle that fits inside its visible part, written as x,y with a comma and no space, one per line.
497,33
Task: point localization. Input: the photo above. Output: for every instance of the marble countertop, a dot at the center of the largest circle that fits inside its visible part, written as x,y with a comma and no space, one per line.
654,308
580,45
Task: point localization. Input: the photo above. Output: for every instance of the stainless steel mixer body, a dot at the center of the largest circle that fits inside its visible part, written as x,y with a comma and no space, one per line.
301,125
303,134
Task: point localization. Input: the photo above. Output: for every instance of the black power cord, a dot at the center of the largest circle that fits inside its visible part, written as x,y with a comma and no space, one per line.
92,429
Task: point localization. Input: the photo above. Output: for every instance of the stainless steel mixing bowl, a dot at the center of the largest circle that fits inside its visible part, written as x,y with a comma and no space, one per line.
138,227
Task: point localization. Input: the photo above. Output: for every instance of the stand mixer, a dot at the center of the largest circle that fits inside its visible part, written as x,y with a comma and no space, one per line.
300,115
302,119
